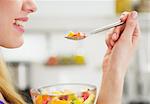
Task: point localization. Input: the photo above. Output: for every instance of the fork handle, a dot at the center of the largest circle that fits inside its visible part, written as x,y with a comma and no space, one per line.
107,27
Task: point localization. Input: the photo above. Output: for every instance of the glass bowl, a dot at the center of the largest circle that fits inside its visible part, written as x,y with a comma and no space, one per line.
69,93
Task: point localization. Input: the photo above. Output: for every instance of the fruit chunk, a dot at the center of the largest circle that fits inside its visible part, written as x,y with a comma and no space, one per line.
65,97
77,101
85,95
71,34
46,99
38,99
90,99
57,101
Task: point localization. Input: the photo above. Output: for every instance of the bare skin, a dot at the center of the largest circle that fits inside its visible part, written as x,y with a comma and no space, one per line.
11,35
121,42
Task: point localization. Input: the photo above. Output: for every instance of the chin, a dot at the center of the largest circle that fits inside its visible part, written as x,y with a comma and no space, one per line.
11,46
17,46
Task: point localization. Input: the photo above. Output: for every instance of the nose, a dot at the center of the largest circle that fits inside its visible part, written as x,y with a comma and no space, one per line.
29,6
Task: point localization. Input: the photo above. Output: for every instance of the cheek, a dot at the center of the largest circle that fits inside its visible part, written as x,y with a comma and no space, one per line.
4,29
9,10
8,35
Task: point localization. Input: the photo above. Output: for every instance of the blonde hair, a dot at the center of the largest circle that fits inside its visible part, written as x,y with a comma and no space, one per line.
6,87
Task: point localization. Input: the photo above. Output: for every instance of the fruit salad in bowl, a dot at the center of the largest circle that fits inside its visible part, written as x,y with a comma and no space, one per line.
71,93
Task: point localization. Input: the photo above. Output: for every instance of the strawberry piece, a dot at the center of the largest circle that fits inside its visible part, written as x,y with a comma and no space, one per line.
85,95
46,99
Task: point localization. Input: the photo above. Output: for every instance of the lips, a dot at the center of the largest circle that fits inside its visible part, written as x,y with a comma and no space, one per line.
25,19
18,24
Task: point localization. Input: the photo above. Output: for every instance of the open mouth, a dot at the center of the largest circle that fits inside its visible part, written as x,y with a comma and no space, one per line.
19,24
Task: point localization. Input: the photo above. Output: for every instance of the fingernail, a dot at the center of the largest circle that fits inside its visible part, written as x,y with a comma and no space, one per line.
134,14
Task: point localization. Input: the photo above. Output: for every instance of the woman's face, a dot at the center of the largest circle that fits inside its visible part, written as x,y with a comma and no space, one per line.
13,13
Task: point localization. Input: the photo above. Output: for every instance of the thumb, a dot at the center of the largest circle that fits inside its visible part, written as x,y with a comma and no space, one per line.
130,26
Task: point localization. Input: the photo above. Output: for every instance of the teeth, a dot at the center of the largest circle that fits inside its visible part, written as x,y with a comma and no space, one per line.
19,23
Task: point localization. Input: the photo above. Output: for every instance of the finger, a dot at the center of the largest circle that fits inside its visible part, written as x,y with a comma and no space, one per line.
115,36
111,42
108,37
108,52
130,25
108,42
117,31
136,34
124,16
137,30
112,37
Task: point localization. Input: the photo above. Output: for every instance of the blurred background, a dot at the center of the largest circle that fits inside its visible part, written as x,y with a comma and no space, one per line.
48,58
